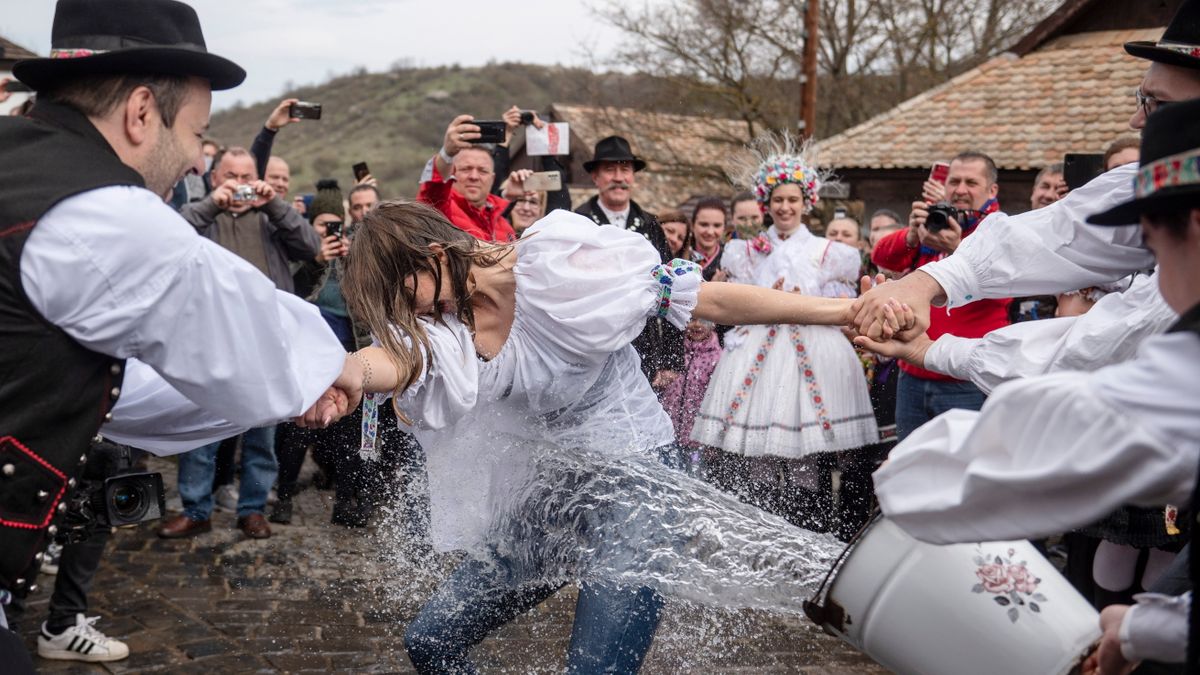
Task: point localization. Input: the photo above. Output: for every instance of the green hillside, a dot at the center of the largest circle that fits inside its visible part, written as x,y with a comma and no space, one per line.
394,121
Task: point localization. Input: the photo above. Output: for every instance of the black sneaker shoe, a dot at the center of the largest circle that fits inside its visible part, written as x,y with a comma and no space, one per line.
282,512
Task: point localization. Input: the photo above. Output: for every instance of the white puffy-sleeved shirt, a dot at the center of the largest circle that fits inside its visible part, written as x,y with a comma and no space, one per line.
214,347
1109,333
1048,250
1052,453
566,376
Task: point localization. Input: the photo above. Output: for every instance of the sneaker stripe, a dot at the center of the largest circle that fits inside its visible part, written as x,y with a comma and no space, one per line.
89,648
71,646
81,646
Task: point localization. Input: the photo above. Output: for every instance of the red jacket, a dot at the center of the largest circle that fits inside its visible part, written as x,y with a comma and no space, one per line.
970,321
487,224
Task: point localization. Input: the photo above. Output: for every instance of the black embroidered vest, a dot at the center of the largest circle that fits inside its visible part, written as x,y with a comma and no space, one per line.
54,393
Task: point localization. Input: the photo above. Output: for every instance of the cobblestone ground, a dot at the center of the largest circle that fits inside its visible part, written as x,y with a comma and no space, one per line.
320,598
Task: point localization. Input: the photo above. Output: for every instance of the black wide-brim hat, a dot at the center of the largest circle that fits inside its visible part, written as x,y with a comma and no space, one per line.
614,149
1168,178
127,37
1180,43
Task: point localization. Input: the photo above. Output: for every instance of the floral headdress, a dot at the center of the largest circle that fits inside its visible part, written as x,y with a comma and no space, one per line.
774,159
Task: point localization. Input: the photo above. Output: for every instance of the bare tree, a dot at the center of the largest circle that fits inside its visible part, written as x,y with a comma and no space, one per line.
742,58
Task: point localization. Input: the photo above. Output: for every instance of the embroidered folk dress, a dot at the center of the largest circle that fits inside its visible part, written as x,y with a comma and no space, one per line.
789,391
566,376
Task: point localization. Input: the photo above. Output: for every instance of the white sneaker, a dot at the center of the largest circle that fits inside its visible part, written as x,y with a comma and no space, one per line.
81,642
226,498
50,559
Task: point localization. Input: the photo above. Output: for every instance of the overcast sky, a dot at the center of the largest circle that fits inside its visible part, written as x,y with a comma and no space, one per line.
306,41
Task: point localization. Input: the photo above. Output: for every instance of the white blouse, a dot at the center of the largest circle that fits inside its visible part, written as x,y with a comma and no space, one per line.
1109,333
807,263
566,376
1048,250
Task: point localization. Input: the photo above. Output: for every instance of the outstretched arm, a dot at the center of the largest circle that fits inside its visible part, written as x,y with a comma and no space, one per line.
742,304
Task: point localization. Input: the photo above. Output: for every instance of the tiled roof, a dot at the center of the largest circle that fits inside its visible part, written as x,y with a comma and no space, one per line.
684,154
1073,94
11,51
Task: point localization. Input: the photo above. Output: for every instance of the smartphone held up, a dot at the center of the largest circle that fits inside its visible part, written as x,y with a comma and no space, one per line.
304,110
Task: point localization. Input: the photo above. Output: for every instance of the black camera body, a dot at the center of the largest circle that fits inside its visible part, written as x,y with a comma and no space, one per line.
107,498
940,215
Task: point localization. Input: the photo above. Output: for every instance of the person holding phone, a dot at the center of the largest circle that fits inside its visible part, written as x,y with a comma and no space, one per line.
458,182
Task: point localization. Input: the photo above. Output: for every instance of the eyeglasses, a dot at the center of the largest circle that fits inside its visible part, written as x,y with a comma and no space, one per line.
532,201
1147,103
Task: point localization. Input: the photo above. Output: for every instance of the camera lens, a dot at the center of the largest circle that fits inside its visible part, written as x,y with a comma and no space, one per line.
128,501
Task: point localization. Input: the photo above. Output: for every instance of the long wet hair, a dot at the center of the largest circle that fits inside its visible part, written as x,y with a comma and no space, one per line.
393,244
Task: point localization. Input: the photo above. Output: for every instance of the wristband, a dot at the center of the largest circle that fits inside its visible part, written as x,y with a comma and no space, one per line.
366,369
445,156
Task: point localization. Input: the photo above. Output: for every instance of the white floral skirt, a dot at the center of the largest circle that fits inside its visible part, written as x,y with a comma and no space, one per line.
787,391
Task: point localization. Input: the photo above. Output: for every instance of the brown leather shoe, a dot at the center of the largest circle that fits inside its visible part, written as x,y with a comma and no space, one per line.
180,526
254,526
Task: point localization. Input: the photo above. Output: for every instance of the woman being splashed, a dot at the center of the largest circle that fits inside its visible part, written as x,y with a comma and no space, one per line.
514,366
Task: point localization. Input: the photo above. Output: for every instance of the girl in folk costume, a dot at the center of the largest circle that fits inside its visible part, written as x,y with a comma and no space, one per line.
787,391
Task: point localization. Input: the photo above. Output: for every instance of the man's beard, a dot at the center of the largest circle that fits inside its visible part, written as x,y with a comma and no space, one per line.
163,167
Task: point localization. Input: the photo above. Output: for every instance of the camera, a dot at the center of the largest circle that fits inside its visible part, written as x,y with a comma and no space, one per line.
106,498
526,117
333,228
940,215
132,498
244,193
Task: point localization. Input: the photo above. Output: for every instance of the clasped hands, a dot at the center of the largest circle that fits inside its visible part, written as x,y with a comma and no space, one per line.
342,397
890,318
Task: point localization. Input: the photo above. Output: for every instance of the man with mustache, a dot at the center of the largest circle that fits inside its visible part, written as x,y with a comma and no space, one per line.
613,168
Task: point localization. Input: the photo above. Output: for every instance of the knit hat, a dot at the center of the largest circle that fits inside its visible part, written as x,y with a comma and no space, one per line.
327,200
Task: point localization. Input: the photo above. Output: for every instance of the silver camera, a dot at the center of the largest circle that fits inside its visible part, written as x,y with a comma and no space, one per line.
244,193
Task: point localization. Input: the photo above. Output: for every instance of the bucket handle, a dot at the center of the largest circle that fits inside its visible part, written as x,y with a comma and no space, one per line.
819,609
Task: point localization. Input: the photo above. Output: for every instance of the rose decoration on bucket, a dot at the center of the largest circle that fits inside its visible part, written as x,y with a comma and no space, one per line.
1011,584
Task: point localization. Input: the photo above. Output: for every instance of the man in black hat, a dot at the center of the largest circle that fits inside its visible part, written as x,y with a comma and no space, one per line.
95,270
613,168
1052,453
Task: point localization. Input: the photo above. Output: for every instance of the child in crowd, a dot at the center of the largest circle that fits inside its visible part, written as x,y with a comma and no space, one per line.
682,398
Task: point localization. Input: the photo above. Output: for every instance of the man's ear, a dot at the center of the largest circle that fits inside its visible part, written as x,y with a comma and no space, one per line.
141,114
994,191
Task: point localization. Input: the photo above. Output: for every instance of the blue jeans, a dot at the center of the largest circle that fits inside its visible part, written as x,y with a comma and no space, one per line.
919,400
196,469
612,632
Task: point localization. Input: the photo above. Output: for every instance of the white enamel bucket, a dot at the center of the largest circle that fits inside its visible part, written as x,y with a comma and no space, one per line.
997,608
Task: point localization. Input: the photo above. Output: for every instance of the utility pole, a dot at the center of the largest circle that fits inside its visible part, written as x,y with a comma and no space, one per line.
808,77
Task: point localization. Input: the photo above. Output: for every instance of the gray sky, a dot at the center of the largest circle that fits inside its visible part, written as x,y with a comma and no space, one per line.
306,41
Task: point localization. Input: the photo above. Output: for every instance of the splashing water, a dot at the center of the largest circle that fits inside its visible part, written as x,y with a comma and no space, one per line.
582,516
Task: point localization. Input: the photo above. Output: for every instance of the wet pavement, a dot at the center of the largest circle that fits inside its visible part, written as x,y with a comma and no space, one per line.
317,597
